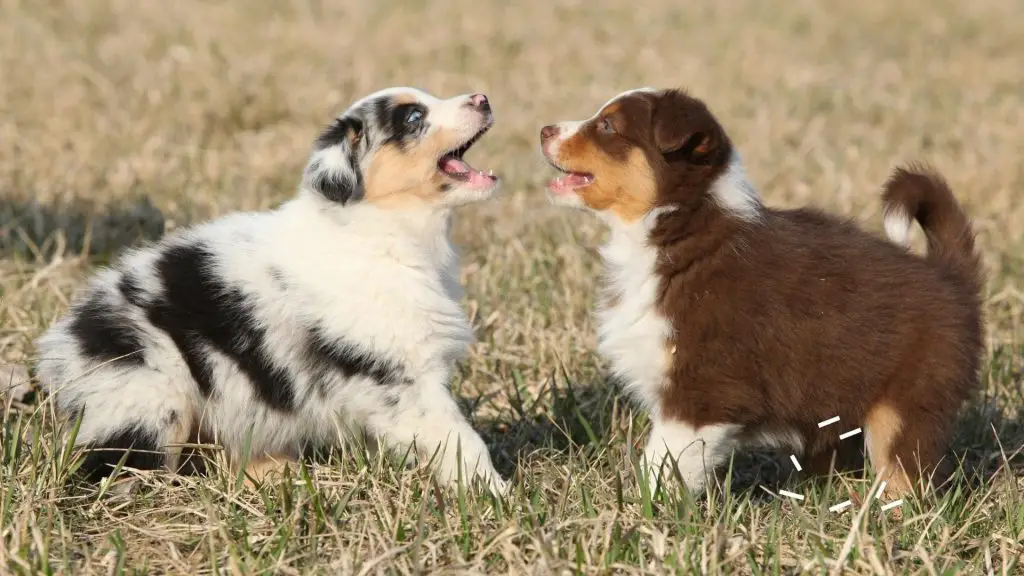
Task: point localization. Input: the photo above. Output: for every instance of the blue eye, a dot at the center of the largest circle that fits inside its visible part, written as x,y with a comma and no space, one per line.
414,117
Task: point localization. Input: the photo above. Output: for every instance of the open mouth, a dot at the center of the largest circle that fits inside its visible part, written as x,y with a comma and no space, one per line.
569,181
452,164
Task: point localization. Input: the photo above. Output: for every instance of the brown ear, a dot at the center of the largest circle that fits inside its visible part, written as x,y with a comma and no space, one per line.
683,127
696,144
669,128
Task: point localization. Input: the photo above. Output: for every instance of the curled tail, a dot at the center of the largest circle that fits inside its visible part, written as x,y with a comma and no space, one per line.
919,193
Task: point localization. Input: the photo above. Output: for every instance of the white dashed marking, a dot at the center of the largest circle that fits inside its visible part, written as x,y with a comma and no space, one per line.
881,489
841,506
845,503
853,432
892,505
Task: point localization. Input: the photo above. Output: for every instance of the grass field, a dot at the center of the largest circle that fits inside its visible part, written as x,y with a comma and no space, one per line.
122,119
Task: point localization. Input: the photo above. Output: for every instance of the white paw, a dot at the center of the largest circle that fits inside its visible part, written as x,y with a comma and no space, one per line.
498,486
490,476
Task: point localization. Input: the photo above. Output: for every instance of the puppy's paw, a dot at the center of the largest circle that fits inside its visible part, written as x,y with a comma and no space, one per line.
267,469
499,487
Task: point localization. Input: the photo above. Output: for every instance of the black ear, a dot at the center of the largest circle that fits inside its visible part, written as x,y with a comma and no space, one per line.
347,130
337,184
333,170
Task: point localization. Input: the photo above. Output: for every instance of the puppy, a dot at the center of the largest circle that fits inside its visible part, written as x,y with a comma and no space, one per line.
735,324
272,332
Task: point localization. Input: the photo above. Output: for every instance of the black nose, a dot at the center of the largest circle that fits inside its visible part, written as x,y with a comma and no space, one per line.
548,132
480,102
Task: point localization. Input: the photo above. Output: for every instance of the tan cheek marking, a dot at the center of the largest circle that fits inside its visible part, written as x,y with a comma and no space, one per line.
398,178
636,186
884,425
626,189
579,152
391,172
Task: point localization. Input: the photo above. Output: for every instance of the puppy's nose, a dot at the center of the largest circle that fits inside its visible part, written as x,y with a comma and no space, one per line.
480,101
548,132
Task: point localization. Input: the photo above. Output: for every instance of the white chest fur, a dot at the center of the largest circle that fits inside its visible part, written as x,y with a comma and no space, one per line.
394,285
632,333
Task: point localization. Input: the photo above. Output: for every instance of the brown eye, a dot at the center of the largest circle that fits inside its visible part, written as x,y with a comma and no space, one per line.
606,126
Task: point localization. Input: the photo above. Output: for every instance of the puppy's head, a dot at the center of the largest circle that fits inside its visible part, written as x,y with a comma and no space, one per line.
645,149
402,148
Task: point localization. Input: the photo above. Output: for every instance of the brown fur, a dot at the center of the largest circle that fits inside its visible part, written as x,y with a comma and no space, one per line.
797,316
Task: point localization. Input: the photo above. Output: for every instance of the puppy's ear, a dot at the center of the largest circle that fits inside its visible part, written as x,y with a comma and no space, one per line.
347,129
333,169
684,129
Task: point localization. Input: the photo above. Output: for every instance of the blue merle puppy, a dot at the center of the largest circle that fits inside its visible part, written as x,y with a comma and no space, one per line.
337,312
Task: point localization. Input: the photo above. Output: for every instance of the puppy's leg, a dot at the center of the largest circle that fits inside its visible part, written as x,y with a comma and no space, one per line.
847,458
427,417
904,449
137,411
676,446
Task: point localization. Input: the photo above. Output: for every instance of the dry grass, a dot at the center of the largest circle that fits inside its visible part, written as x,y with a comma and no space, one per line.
121,118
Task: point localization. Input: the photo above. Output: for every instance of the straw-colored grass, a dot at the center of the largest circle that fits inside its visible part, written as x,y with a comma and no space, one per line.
121,119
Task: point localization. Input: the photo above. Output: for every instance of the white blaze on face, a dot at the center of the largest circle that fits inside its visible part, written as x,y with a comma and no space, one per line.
562,190
417,143
398,91
566,130
455,116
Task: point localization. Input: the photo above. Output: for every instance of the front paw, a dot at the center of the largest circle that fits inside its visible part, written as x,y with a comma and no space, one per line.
493,481
671,478
498,486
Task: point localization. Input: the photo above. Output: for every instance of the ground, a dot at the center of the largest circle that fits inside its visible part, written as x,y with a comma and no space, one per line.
122,119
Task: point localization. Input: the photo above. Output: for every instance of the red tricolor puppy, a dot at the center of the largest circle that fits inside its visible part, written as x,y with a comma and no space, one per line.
735,324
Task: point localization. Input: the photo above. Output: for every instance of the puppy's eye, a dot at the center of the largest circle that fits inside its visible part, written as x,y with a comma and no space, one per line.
414,117
606,126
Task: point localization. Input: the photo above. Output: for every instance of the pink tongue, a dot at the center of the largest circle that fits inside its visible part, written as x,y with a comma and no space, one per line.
454,166
479,179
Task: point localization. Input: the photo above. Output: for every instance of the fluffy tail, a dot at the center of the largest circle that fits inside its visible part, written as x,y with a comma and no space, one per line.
919,193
